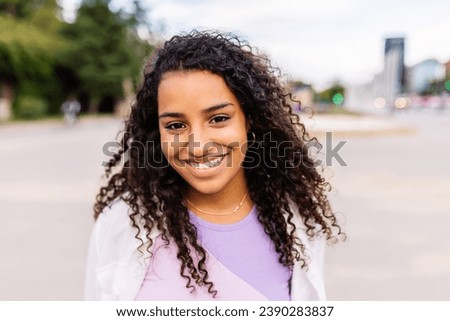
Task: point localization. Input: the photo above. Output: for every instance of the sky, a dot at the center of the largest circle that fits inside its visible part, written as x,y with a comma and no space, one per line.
315,41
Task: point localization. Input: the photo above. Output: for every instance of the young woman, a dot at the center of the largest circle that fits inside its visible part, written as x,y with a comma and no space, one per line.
212,195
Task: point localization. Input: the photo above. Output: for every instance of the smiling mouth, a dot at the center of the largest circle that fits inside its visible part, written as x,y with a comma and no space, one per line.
210,164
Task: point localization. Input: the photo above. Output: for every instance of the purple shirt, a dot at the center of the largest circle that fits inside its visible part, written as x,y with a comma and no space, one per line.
248,252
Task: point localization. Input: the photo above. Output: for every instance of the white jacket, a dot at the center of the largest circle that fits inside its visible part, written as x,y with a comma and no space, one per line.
116,268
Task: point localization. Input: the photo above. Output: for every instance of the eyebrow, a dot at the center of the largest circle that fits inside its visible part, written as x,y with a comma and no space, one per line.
204,111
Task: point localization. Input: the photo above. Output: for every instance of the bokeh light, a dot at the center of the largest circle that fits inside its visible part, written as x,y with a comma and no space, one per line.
401,102
379,102
447,85
338,99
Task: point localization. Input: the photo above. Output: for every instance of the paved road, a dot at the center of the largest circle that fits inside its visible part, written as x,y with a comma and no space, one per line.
394,195
48,179
395,198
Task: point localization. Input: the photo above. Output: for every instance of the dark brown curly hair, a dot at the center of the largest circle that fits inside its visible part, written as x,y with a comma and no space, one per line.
278,174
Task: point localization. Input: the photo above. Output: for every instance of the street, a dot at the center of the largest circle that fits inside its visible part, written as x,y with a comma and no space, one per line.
48,180
393,198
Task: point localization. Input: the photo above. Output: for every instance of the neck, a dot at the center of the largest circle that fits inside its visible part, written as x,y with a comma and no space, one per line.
224,207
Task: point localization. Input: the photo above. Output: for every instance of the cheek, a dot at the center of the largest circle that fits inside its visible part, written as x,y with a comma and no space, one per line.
171,151
165,144
232,134
238,151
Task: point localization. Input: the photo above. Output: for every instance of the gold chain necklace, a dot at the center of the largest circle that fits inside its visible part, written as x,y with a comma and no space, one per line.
220,214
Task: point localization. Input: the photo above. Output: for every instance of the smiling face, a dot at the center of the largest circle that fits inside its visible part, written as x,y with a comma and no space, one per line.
203,131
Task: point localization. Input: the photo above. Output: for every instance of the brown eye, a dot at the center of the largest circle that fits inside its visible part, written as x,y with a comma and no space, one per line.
219,119
174,126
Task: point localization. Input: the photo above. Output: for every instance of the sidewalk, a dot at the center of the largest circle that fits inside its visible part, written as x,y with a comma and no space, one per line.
317,125
355,126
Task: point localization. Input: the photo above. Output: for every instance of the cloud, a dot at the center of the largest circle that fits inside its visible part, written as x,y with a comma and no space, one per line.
316,41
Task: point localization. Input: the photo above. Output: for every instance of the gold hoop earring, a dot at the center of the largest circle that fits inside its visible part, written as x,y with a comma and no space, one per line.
253,141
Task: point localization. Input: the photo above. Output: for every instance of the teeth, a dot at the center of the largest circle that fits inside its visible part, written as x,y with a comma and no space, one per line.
206,165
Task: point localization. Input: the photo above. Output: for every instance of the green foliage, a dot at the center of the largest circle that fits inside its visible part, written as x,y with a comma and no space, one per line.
437,86
44,58
299,84
16,8
106,50
30,50
25,49
338,110
327,95
30,107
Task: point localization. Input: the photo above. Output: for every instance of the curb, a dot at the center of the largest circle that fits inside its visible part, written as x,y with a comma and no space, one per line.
356,126
400,131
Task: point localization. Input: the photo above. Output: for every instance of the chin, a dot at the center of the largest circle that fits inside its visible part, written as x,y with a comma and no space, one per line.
206,188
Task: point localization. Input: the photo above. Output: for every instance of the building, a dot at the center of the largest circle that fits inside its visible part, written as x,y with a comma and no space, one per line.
6,99
380,94
394,69
305,95
447,69
421,74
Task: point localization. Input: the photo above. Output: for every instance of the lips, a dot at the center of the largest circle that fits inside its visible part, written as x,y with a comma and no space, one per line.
206,165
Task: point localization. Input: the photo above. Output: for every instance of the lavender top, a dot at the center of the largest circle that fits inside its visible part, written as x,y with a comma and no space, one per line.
248,252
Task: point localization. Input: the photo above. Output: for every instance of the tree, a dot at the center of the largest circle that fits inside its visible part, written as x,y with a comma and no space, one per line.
298,84
30,47
106,51
437,86
17,8
333,94
43,59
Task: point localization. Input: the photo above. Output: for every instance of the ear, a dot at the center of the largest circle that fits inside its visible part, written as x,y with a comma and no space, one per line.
248,124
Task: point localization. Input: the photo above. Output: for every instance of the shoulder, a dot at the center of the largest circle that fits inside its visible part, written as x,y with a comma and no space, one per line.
114,230
314,245
113,220
112,257
301,228
309,284
114,226
116,210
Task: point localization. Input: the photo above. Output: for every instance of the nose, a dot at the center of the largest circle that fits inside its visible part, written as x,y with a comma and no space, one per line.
199,143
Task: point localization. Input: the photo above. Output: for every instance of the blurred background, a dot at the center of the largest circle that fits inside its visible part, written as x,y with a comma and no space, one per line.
374,74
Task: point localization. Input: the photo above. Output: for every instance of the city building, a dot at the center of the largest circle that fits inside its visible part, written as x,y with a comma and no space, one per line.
394,69
381,93
421,74
447,69
6,99
305,95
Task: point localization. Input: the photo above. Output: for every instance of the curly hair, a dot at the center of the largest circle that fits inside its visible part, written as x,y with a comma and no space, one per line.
276,177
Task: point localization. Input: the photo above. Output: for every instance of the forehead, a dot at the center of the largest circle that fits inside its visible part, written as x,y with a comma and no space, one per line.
182,89
190,78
